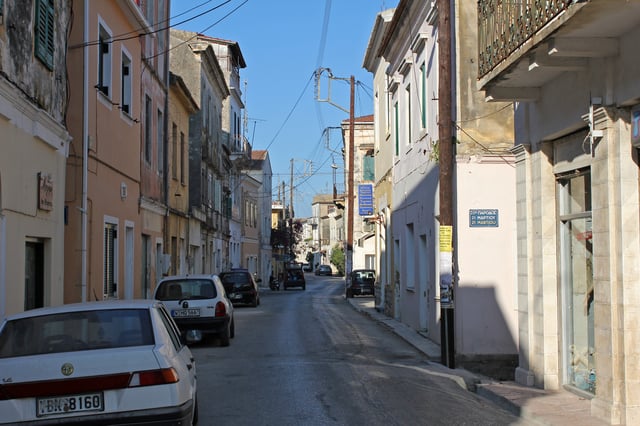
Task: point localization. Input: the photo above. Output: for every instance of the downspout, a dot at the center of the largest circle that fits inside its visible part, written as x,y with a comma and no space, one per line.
3,260
85,152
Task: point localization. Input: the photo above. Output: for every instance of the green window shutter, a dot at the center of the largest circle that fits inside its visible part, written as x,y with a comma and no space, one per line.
44,23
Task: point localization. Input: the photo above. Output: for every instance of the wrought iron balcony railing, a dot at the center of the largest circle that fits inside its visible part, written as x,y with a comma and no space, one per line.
504,25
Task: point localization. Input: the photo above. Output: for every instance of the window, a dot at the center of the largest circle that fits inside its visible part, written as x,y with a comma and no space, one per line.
109,288
423,96
174,151
125,100
183,164
395,127
408,113
368,166
160,141
576,256
44,29
104,61
147,129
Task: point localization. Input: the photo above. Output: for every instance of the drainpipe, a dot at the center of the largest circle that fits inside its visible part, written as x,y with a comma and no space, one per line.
3,262
85,151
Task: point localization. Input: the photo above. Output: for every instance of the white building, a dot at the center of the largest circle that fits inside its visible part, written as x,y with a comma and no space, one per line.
405,49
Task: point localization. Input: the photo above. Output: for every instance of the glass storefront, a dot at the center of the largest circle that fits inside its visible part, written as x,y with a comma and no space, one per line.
576,268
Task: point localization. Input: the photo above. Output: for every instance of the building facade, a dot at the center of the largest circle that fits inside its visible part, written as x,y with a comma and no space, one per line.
34,143
156,254
196,62
571,75
405,49
181,106
260,170
364,249
103,170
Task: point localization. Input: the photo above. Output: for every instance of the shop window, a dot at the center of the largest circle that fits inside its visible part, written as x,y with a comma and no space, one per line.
576,264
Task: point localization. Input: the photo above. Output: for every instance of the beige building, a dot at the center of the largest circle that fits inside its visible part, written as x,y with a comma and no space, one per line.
103,171
572,75
154,82
259,169
181,106
250,225
34,145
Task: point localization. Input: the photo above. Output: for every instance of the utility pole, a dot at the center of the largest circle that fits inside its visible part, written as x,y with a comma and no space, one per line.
291,212
349,152
350,189
445,147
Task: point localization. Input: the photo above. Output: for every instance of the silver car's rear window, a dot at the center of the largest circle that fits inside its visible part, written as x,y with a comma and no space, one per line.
184,289
76,331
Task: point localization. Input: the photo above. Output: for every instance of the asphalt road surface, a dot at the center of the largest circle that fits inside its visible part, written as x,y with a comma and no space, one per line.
309,358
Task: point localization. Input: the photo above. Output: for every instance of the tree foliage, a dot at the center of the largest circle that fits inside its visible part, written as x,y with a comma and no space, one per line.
337,259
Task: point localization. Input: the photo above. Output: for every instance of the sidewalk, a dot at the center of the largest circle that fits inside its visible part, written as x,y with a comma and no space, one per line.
538,406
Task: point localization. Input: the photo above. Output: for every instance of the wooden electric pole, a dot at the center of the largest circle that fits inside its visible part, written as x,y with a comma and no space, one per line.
350,188
445,147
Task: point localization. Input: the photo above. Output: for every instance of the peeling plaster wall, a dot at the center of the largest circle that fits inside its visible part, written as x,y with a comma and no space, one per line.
46,88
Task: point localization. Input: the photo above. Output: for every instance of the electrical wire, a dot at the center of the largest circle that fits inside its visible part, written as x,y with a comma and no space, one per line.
136,32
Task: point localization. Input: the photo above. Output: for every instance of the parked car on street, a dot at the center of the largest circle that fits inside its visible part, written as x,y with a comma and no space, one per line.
324,270
294,277
361,282
241,287
106,362
199,306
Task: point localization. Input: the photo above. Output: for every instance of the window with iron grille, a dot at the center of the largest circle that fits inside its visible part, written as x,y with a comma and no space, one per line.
44,30
104,61
110,248
125,84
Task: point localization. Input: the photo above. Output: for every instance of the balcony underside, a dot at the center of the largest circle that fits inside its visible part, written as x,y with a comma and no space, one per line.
580,31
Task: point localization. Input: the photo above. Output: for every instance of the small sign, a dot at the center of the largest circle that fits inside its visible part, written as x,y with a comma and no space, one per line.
446,238
365,199
483,218
45,191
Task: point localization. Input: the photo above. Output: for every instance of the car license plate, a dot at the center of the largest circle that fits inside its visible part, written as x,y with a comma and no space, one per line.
185,313
236,296
69,404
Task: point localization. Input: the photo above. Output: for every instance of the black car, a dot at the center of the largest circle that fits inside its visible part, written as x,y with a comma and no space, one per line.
360,282
294,277
324,270
240,286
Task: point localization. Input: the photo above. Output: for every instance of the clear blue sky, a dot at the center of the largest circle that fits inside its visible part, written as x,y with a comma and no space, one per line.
283,42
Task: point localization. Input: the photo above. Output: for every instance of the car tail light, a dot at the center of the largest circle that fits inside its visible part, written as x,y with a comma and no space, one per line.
154,377
88,384
221,309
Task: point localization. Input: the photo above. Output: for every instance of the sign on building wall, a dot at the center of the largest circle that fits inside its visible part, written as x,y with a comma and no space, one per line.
483,218
45,191
365,199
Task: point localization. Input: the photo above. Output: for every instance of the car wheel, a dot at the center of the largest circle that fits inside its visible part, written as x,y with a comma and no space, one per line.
225,336
255,302
195,412
232,332
304,287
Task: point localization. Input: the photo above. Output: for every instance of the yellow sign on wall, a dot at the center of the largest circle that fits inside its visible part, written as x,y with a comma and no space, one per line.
446,238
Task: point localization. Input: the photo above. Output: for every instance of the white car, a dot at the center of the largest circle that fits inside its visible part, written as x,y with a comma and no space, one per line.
107,362
199,305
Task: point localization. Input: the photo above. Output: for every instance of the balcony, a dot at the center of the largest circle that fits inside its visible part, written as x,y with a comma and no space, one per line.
523,44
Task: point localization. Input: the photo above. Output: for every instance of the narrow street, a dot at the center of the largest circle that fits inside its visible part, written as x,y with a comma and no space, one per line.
308,358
